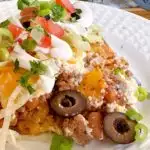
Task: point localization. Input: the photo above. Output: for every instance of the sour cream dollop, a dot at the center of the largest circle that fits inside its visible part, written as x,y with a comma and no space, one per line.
86,19
46,81
61,49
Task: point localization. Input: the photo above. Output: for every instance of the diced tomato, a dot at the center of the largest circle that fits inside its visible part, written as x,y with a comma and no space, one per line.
45,42
66,4
50,27
10,49
15,30
20,41
29,11
55,29
43,22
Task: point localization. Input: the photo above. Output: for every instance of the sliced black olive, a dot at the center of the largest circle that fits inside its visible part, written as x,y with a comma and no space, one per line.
47,17
68,103
78,11
119,128
75,15
26,24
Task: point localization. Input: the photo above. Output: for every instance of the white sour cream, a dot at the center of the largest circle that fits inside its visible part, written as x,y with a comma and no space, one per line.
61,49
86,19
46,81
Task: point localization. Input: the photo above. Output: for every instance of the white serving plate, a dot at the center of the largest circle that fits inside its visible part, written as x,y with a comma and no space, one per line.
129,36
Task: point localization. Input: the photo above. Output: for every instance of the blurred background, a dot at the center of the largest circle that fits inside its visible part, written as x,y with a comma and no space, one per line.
139,7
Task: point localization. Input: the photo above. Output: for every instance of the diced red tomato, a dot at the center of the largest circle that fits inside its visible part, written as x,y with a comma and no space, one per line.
15,30
55,29
20,41
42,21
45,41
10,49
50,27
66,4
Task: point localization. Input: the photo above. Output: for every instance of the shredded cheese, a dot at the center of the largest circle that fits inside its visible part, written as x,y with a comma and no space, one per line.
7,117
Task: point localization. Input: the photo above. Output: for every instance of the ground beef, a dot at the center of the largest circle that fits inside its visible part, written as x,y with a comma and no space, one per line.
103,49
94,104
77,128
68,81
93,60
95,120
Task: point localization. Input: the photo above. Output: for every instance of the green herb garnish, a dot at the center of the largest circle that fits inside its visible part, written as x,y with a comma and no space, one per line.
37,68
16,65
141,93
24,82
134,115
58,12
61,143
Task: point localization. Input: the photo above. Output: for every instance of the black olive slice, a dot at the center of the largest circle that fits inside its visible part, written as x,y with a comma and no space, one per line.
68,103
119,128
47,17
26,24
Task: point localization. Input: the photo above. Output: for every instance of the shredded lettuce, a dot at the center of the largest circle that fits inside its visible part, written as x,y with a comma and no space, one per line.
76,41
94,34
61,143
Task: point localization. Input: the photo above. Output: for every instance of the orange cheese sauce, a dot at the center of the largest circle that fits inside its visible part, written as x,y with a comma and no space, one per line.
9,81
92,83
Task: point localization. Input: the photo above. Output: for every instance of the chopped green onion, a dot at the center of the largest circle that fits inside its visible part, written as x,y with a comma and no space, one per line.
21,5
61,143
141,93
44,12
45,5
29,44
4,24
134,115
118,71
141,132
16,65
